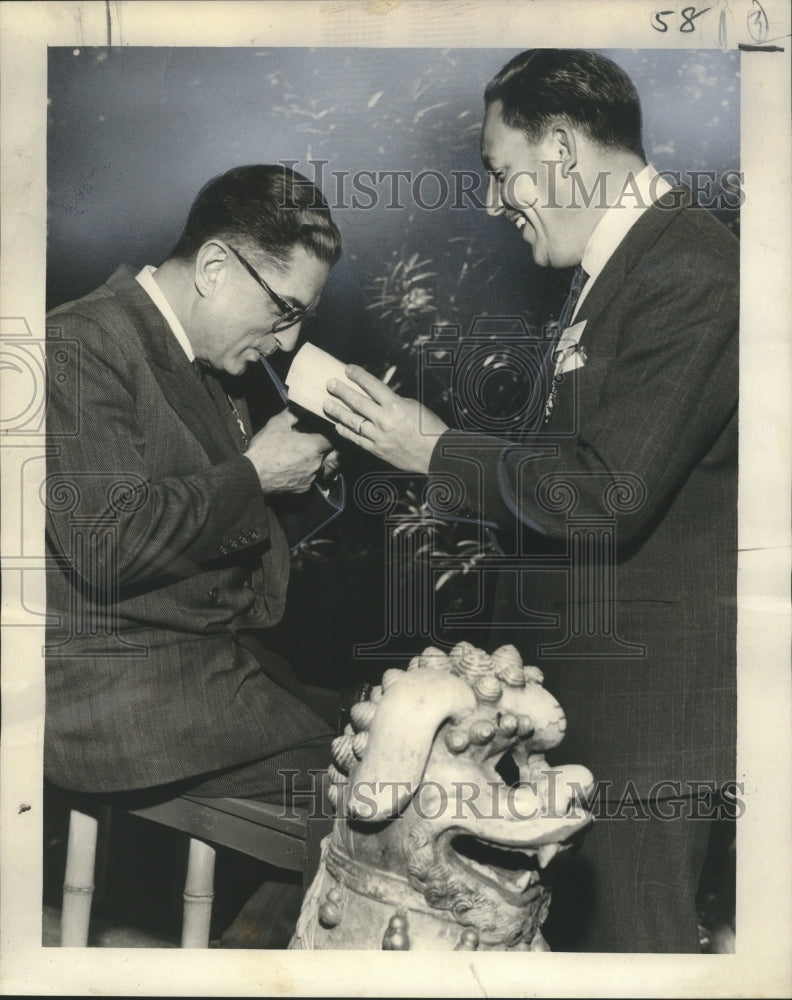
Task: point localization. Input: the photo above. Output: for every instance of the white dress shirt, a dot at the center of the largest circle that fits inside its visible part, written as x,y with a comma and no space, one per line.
617,221
146,281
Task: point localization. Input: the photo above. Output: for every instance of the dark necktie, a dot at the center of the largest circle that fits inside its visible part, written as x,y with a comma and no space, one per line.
201,371
579,279
219,396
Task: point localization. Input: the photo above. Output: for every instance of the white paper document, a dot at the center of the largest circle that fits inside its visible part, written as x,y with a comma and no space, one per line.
308,376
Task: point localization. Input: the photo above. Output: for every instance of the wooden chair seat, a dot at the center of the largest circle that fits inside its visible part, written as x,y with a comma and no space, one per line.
258,829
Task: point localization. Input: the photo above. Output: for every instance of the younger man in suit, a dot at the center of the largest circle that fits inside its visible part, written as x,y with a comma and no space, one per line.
619,493
171,562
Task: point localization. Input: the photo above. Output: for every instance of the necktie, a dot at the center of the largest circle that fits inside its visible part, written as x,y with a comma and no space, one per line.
215,390
579,279
199,368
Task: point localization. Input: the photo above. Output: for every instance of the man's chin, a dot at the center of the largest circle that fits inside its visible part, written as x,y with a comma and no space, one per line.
238,367
538,251
540,256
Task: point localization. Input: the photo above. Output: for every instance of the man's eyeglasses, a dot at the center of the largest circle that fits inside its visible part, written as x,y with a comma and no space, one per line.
290,314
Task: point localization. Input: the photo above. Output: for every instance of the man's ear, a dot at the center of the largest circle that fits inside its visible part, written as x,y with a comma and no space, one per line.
565,148
211,268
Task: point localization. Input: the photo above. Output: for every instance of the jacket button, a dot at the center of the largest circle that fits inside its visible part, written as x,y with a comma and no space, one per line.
214,593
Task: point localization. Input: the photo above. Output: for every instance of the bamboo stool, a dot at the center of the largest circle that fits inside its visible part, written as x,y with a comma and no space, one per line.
257,829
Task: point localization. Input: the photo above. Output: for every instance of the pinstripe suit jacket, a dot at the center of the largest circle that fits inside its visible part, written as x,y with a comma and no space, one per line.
167,563
654,408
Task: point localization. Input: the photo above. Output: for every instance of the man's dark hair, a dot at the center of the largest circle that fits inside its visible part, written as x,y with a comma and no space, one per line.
269,208
542,86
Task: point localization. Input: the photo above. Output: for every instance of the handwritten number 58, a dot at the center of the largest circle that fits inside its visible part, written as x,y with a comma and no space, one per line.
688,15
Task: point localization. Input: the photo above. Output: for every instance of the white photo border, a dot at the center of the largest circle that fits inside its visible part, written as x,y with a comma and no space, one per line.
762,965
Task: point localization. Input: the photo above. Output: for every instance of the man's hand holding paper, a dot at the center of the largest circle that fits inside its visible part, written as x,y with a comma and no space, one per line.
400,431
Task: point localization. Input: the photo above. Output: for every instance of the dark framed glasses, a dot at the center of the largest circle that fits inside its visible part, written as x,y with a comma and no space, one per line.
289,314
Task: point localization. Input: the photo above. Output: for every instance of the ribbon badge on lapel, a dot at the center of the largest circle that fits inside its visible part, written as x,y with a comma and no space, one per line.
568,354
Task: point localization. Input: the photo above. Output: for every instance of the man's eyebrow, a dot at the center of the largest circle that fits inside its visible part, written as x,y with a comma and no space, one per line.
293,302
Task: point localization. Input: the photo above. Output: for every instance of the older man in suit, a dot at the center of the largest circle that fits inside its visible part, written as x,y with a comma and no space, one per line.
171,562
618,489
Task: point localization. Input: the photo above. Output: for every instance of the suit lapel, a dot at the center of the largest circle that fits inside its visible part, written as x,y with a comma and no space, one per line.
631,251
581,387
179,381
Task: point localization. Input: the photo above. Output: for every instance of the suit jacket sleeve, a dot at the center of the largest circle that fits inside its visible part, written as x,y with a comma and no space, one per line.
665,395
163,526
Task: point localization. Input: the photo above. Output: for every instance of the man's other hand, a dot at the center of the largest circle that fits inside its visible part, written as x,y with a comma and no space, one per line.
286,460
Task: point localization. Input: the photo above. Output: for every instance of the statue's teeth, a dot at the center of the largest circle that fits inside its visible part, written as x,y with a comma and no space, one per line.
525,880
545,854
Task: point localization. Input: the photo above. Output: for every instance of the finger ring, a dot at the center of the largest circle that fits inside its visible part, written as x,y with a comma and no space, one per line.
359,429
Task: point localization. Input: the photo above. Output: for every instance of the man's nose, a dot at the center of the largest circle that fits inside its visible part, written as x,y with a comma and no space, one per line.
287,339
494,203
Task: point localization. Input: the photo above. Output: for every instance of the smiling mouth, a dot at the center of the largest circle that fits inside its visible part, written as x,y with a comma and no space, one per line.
511,870
516,219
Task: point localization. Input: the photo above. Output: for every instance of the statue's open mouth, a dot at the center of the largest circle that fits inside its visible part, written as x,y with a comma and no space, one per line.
512,871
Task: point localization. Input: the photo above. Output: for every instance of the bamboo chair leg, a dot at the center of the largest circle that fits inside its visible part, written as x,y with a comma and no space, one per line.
78,885
198,895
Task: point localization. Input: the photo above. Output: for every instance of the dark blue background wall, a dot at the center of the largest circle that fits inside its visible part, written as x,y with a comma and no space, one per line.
134,133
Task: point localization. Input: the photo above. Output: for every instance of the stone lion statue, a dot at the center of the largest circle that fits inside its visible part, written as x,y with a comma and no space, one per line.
446,810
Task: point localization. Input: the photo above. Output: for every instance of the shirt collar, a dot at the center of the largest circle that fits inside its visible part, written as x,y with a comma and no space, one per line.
646,187
147,282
